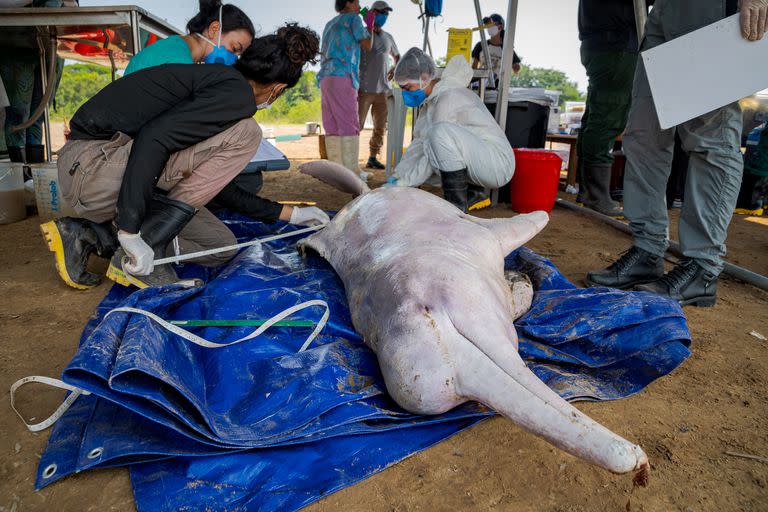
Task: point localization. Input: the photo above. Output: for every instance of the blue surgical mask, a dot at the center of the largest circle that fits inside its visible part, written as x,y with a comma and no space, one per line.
414,98
381,19
219,54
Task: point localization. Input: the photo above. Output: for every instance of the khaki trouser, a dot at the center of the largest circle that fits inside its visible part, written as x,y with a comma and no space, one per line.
91,174
377,102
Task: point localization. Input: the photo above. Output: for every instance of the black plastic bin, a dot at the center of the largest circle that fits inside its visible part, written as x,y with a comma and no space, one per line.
526,123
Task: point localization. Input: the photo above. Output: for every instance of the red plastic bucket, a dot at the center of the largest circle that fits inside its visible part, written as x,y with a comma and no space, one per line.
534,184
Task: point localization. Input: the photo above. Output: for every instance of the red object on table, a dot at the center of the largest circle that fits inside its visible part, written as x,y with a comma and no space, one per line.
534,184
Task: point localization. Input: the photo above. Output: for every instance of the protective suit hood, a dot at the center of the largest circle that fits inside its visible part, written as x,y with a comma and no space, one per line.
456,75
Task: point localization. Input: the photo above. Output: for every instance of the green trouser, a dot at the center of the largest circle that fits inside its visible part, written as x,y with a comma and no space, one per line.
609,96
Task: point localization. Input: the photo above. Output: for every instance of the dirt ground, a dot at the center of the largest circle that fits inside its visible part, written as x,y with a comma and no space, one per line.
715,402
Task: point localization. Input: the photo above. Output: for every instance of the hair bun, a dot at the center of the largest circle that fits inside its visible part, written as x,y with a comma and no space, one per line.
301,44
208,6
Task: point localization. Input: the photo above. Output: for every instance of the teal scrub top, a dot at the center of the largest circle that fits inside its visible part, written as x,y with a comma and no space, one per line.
171,50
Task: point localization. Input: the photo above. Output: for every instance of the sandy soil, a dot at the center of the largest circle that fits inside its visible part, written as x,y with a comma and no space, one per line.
715,402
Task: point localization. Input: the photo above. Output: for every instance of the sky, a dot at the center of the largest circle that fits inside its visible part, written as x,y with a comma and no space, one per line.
546,35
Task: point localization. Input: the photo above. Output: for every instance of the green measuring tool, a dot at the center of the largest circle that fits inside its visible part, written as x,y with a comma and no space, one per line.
241,323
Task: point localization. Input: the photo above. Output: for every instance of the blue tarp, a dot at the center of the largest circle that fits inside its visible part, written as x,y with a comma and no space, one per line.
258,426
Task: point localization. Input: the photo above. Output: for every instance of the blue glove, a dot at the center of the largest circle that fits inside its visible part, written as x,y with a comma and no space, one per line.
391,182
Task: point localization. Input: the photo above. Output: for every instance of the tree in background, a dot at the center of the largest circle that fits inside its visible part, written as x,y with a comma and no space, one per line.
548,79
297,105
79,83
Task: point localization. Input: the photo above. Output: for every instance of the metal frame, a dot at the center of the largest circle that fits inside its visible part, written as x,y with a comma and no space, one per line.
641,16
55,20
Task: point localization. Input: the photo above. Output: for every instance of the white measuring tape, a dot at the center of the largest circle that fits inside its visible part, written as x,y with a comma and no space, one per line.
193,338
200,254
56,383
193,255
198,340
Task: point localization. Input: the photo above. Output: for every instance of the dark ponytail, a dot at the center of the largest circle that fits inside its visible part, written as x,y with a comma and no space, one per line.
232,18
279,57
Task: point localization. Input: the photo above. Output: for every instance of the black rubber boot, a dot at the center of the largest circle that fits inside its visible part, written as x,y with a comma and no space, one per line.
476,197
597,188
164,219
72,241
373,163
688,283
636,266
35,153
18,155
455,188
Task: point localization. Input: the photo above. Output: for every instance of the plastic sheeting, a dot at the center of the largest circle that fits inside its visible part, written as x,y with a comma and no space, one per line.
258,426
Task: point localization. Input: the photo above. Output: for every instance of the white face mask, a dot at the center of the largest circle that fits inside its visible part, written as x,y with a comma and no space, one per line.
492,31
267,104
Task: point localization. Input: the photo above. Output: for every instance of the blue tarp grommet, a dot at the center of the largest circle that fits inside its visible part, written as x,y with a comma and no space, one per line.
95,453
49,471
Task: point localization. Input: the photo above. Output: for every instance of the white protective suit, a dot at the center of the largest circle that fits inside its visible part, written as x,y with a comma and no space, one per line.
455,130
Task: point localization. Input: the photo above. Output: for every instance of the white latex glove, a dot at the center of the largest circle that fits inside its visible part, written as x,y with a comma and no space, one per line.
309,216
754,19
142,257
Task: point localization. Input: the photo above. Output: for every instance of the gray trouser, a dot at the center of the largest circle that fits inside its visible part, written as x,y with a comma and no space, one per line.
712,141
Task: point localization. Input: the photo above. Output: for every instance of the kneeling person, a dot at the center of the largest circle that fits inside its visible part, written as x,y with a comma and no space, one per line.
149,151
455,135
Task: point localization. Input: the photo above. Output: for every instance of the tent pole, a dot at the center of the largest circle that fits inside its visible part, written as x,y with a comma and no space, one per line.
484,43
641,15
506,64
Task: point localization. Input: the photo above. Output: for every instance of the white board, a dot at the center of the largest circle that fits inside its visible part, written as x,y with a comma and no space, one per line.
705,70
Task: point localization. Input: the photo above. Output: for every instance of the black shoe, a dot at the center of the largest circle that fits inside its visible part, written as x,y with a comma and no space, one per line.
636,266
455,188
688,283
35,153
73,241
164,219
373,163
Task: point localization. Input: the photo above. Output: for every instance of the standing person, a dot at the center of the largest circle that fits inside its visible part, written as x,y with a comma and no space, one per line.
455,135
713,142
495,48
218,34
149,151
375,75
609,47
20,72
339,80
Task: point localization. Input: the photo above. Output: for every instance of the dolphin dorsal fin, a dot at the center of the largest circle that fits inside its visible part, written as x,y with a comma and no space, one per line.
515,231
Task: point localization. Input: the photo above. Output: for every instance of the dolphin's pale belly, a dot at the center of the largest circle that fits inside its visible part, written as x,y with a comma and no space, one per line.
428,293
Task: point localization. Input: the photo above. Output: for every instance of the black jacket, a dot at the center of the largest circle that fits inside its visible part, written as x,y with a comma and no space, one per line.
608,25
164,109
